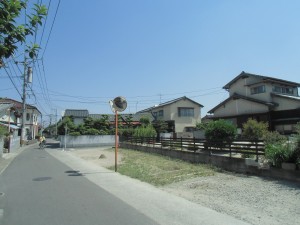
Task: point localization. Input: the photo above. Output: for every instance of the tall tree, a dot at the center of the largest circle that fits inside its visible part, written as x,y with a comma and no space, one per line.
12,34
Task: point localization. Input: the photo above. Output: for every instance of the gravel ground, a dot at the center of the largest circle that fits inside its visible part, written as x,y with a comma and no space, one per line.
252,199
256,200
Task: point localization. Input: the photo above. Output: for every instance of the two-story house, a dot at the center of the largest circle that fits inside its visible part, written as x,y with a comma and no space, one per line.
13,117
263,98
78,115
181,114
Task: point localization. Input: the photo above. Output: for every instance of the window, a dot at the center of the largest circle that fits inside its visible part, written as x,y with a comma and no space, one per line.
27,116
185,112
160,113
258,89
283,90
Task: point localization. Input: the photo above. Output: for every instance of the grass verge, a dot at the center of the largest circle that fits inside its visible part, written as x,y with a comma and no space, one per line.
159,170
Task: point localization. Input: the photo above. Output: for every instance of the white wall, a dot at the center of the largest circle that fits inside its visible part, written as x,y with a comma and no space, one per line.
240,107
86,141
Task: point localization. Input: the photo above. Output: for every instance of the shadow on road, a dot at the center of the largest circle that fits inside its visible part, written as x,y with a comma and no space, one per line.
52,145
76,173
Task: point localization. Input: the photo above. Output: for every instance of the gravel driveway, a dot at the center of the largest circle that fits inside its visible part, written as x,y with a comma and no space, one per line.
250,198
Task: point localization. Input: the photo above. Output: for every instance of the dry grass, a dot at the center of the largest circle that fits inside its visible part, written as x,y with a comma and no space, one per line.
159,170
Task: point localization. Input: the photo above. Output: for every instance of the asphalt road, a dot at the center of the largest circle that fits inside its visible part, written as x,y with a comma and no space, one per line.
54,187
37,189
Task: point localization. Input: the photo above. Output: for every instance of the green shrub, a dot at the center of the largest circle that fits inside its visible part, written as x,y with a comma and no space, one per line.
254,130
75,133
103,132
127,132
219,132
276,153
3,131
91,131
273,137
147,131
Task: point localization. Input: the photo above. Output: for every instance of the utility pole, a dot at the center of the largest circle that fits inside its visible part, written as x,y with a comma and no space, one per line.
26,79
56,123
23,130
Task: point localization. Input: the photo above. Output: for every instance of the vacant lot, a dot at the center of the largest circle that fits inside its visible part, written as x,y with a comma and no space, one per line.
253,199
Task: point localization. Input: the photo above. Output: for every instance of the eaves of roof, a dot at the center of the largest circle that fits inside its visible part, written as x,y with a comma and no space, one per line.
263,78
4,107
169,103
17,105
78,113
297,98
237,96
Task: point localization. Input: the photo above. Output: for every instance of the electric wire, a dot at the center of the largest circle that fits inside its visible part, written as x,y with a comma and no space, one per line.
12,82
51,29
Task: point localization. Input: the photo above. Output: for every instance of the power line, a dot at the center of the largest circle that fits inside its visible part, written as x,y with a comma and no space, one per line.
51,28
12,82
44,26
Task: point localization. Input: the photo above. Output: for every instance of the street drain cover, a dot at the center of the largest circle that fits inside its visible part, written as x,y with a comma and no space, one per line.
42,178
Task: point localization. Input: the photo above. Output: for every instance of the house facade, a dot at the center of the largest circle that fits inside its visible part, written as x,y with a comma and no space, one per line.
78,115
12,117
263,98
181,114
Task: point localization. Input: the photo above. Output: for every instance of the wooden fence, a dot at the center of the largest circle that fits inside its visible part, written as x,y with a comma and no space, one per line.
245,148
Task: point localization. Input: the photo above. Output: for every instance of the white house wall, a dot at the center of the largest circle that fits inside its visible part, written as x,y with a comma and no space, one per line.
171,113
182,122
286,104
239,107
240,86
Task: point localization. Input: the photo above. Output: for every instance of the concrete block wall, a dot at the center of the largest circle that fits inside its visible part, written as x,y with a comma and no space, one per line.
86,141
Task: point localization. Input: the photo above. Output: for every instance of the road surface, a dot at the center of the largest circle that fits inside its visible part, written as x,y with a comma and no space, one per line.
53,187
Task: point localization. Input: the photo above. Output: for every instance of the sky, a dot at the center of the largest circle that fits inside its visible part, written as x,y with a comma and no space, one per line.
153,51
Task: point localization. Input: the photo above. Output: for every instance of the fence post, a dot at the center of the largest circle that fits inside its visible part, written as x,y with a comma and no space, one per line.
229,149
256,143
161,142
194,144
181,145
153,142
170,143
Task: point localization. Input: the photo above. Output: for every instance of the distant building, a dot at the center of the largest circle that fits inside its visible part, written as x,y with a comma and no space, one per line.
262,98
78,116
11,115
181,114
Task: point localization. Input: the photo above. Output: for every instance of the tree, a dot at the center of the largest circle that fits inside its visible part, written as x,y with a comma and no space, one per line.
88,122
219,132
160,126
102,124
13,34
145,121
66,122
254,130
129,121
